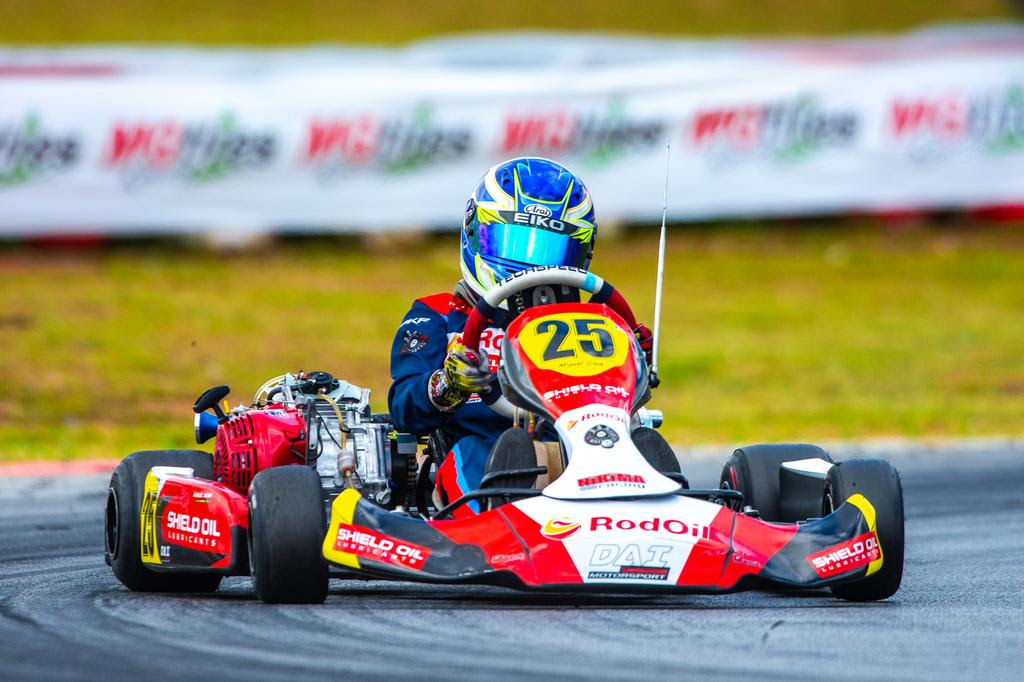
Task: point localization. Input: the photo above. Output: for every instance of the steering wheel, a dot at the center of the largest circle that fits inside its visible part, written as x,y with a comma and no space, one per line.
487,307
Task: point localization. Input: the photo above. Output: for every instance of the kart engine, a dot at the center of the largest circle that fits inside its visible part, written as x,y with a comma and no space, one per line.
326,423
346,443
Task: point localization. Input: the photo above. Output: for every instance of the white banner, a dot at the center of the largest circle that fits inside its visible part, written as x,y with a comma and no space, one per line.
137,141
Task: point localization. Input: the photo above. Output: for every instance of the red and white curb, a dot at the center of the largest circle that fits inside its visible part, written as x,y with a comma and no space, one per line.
51,468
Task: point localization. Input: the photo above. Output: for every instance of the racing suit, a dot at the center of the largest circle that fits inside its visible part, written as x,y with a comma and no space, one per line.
419,348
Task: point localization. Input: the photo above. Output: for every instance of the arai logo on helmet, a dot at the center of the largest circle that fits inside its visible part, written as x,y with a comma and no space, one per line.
538,209
560,528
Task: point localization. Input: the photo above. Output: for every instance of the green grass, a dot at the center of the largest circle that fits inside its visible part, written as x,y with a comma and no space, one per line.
276,22
770,332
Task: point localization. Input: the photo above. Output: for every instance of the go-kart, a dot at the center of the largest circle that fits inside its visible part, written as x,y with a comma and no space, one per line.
306,483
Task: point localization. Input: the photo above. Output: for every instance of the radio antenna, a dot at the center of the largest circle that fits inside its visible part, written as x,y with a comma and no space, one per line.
661,276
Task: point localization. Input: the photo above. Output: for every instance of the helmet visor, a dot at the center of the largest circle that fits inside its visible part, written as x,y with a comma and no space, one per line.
530,246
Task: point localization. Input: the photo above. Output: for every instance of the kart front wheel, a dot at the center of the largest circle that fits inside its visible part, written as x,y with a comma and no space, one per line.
123,516
754,471
286,533
879,482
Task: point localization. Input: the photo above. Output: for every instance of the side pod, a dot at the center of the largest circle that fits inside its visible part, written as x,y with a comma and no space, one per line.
193,524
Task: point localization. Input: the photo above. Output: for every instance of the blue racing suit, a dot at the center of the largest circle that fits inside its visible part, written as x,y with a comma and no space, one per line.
419,349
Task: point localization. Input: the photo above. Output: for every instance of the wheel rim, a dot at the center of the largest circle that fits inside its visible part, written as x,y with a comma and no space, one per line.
112,530
828,504
731,504
252,564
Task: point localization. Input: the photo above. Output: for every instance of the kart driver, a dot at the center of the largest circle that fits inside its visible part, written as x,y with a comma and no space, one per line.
438,381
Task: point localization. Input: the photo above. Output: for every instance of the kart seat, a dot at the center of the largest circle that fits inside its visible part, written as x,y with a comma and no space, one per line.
549,454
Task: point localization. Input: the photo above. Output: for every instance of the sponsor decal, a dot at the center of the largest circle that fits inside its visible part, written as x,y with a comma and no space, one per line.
848,556
338,145
416,320
603,436
491,339
189,530
745,560
370,544
936,126
459,305
560,528
28,151
785,131
575,389
539,210
191,524
596,138
413,342
508,558
146,152
490,343
652,525
629,562
611,480
544,222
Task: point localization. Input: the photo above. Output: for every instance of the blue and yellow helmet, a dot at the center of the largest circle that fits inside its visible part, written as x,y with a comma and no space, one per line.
526,212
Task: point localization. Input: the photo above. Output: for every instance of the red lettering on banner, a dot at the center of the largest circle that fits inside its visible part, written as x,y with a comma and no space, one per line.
157,144
350,139
548,131
943,116
740,127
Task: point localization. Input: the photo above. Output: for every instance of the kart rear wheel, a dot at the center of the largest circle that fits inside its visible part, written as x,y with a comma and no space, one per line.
286,533
122,518
754,471
879,482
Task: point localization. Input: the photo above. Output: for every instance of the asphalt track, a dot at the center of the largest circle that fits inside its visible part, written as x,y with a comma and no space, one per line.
959,615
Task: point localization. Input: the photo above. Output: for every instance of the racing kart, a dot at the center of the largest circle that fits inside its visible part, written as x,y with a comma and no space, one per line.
306,483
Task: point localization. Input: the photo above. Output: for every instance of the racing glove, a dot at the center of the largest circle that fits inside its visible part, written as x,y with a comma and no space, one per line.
465,372
646,338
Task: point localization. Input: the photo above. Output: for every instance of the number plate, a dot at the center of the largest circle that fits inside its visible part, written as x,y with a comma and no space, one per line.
575,344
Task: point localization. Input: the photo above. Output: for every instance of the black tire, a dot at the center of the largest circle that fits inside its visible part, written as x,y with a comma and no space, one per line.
879,482
121,532
286,533
656,450
754,471
513,450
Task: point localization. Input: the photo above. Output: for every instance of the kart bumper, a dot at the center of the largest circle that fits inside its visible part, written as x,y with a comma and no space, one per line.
665,544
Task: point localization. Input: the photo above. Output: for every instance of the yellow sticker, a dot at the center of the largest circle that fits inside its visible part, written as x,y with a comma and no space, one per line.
343,512
575,344
150,497
868,511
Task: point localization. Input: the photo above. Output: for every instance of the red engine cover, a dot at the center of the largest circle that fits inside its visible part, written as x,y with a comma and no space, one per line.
256,440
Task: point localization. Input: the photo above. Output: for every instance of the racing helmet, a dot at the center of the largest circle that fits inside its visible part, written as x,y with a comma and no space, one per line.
526,212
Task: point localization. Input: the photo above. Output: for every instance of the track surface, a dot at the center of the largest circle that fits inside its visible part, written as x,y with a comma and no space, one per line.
959,615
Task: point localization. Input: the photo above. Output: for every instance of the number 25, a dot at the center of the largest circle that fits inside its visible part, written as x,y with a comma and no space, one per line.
589,336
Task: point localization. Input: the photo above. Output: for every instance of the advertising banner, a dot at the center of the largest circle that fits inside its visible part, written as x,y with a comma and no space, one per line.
138,141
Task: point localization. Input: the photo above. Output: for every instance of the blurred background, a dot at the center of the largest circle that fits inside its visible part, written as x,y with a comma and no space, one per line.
195,193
